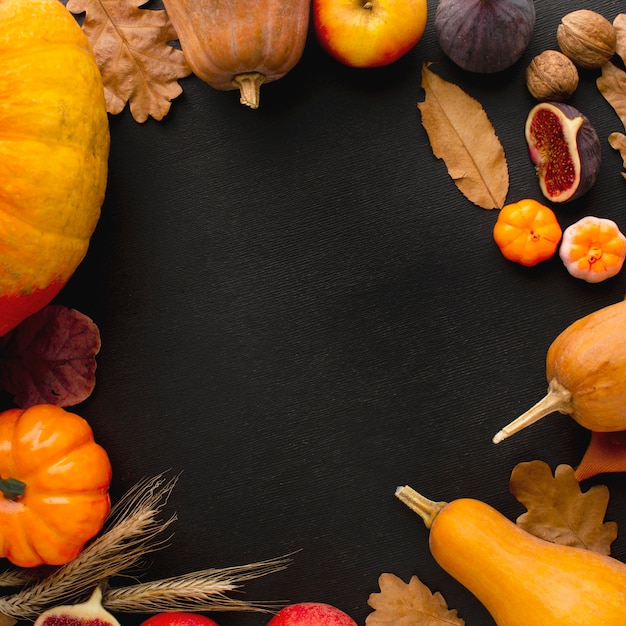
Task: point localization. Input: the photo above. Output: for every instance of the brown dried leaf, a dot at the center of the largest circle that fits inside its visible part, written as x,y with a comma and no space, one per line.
408,604
619,23
137,63
50,358
558,511
461,134
612,85
617,141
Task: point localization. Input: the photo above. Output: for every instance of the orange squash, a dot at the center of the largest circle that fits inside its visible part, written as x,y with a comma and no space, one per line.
231,44
54,481
54,145
586,372
521,580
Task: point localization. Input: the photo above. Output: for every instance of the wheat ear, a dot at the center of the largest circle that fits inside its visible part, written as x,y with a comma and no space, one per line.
132,530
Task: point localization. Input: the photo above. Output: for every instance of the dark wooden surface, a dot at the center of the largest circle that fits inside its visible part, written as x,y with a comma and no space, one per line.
299,311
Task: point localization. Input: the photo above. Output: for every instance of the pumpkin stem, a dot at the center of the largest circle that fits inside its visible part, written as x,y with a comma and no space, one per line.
249,85
557,399
12,488
425,508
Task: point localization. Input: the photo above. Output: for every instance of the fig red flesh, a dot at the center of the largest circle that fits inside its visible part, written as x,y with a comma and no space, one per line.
565,148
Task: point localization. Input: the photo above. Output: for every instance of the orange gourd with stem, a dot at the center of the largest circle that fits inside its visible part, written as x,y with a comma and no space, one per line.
54,146
54,482
527,232
593,249
586,373
232,44
521,579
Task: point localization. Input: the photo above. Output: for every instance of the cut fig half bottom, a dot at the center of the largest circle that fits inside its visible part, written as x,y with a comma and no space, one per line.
565,148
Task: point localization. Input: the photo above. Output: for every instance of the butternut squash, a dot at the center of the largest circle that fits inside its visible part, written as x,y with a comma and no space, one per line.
586,372
520,579
231,44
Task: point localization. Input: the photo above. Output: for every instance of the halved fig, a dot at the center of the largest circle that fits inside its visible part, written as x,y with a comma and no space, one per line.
89,613
565,148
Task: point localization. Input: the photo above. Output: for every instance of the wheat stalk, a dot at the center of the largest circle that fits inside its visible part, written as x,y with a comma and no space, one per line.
132,530
204,590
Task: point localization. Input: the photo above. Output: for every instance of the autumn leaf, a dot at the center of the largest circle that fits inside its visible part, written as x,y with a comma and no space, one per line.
408,604
619,23
612,85
557,509
461,134
50,358
132,48
617,141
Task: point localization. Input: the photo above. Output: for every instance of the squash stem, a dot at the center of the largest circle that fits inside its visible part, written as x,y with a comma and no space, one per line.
557,399
425,508
249,85
12,488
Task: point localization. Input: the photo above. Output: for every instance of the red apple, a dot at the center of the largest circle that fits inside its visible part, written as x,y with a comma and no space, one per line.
311,614
368,33
178,619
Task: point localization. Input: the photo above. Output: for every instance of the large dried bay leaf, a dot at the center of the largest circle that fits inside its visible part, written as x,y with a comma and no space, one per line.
462,135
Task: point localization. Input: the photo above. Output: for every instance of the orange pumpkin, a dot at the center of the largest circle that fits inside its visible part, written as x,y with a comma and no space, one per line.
54,481
527,232
231,44
54,146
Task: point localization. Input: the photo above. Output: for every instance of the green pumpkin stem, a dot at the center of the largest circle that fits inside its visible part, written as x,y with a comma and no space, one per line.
12,488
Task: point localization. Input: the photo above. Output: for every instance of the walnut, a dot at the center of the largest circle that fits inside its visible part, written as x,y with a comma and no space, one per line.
551,76
586,37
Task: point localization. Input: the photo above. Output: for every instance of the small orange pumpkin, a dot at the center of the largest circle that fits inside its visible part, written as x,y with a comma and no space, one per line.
593,249
527,232
54,482
54,146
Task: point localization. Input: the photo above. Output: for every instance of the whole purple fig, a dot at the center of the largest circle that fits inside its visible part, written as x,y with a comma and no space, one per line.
484,36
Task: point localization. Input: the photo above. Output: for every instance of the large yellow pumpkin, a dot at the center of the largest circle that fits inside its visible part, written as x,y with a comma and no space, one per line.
54,148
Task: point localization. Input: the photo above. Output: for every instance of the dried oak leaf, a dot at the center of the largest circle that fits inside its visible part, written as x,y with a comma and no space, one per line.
612,85
408,604
461,134
617,141
50,358
558,511
619,23
132,48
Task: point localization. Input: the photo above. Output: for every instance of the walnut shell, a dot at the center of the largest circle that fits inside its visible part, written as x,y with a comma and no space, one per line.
551,76
586,37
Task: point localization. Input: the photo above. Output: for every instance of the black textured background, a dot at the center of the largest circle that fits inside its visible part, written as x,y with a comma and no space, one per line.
299,311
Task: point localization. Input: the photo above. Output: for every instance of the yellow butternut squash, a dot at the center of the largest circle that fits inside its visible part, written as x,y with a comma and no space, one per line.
520,579
586,372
